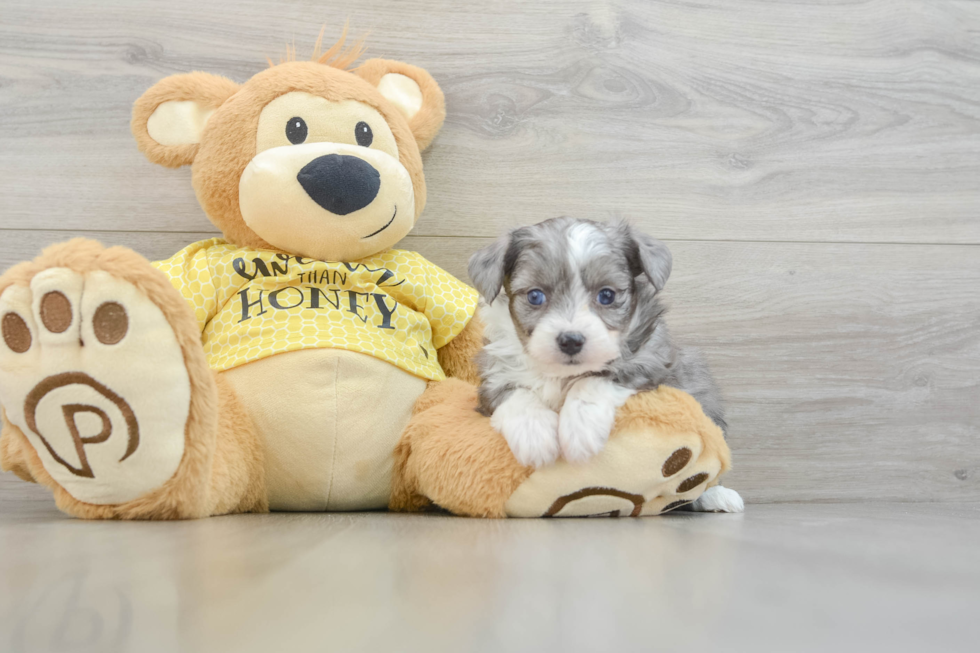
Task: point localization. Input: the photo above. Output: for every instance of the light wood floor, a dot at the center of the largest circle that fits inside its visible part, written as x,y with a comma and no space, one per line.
780,578
813,165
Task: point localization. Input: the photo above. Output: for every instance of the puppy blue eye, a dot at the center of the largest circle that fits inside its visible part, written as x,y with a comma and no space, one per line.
606,296
535,297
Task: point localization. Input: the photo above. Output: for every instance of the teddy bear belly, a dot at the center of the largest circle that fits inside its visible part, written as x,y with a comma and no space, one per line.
329,420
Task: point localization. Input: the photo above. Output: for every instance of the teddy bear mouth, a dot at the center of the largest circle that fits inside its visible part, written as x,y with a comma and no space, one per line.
388,224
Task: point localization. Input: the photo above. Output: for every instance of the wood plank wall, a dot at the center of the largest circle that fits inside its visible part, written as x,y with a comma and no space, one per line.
813,165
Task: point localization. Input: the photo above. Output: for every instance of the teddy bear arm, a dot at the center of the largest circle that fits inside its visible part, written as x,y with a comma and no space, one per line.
458,357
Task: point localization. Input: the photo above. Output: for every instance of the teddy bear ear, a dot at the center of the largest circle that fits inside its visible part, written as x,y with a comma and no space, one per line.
169,118
413,91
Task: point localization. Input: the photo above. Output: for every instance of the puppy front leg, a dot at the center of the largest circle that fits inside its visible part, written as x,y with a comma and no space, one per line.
587,417
530,428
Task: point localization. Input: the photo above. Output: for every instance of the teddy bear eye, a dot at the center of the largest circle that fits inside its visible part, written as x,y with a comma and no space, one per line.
296,130
363,134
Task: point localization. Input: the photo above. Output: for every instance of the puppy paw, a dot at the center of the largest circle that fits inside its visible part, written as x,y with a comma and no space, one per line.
533,437
583,428
531,431
719,499
587,417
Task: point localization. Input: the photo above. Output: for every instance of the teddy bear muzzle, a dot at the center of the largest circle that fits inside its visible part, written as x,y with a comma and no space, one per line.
329,201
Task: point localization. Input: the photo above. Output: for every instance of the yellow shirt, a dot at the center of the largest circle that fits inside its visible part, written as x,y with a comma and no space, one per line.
253,303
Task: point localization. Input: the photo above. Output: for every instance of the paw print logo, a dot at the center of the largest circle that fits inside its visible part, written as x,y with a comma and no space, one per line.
71,411
633,503
599,501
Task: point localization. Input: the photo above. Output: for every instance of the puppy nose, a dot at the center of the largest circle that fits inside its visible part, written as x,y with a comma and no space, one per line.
571,342
340,183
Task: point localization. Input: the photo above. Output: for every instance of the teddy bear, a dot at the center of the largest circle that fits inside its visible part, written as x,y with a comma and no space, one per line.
300,362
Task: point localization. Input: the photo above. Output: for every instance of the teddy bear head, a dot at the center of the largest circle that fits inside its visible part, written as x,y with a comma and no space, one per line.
307,157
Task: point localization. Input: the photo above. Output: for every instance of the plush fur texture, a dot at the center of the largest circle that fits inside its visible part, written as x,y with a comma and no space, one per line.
450,457
672,409
12,456
336,56
237,471
458,358
228,142
428,121
210,91
200,484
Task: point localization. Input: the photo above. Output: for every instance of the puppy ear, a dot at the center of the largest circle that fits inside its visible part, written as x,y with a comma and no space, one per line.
488,267
169,118
651,257
413,91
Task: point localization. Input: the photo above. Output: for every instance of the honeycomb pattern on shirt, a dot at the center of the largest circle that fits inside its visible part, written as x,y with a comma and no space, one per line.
253,303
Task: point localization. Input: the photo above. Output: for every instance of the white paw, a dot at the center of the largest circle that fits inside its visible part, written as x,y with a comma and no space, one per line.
587,417
530,429
91,372
584,427
719,499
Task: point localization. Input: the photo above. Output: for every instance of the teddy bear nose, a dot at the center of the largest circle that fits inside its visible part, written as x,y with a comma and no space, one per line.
340,183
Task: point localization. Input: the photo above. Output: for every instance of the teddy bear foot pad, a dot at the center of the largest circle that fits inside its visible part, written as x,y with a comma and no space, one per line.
92,373
663,453
640,472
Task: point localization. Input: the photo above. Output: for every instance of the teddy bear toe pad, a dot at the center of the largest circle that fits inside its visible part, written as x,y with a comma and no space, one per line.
92,373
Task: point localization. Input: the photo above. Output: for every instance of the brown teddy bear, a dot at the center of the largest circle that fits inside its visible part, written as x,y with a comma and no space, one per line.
300,362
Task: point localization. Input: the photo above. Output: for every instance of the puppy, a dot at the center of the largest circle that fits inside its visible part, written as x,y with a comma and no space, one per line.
574,327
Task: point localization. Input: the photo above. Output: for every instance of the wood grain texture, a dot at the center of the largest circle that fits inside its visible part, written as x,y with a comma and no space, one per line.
814,166
849,371
808,579
819,120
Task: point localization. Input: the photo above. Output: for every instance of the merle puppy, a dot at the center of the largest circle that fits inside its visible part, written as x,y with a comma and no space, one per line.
574,327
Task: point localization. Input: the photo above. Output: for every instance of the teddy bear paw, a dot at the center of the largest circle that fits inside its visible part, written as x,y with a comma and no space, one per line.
91,372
